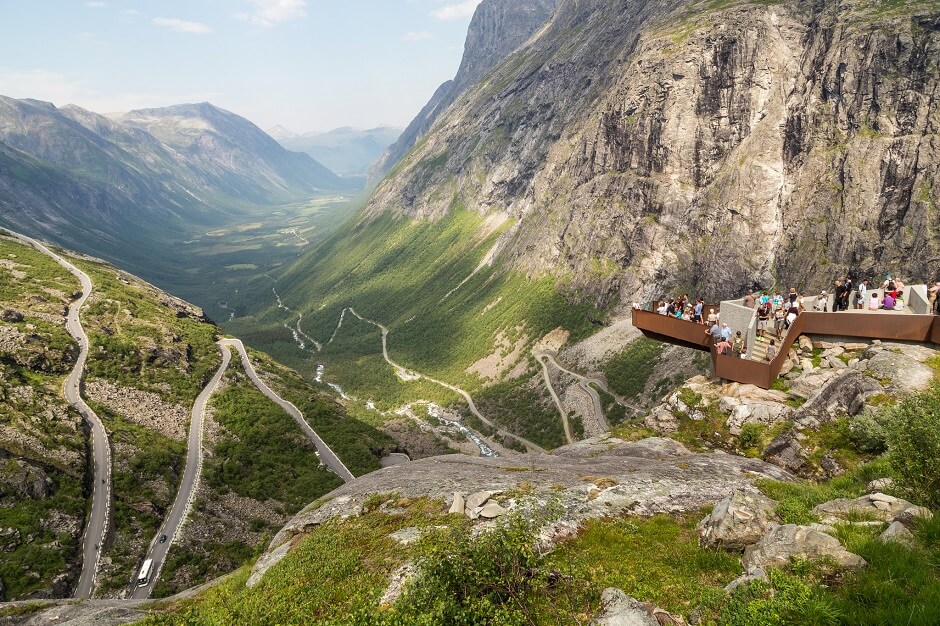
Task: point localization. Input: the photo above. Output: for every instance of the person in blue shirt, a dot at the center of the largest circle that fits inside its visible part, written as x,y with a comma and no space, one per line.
697,315
725,332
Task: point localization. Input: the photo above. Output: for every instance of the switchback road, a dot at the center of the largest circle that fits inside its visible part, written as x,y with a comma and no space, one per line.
97,525
407,374
328,457
167,534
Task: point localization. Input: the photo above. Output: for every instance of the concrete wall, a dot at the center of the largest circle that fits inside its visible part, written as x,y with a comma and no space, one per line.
916,299
738,317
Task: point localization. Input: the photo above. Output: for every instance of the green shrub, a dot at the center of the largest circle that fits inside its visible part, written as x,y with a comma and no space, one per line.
628,372
868,432
914,446
782,601
751,436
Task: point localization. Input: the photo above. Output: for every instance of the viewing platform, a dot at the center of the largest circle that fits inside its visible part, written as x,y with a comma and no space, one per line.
907,325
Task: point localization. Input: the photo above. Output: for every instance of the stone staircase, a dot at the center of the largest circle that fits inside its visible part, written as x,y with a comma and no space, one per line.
758,352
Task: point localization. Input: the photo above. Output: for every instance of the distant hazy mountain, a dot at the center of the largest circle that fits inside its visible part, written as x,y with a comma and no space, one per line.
347,151
118,186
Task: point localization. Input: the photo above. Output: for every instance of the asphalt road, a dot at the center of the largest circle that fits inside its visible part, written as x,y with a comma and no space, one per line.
188,485
326,455
551,390
406,374
97,525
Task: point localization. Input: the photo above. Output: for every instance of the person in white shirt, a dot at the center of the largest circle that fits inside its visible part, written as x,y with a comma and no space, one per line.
862,298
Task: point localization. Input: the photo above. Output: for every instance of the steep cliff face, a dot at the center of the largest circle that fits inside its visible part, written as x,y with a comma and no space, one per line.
497,29
644,146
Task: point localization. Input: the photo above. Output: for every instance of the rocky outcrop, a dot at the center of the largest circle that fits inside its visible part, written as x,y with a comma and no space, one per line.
901,370
872,506
22,479
497,29
698,146
737,521
594,478
619,609
782,544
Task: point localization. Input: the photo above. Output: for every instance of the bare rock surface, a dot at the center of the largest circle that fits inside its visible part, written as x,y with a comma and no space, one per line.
619,609
738,521
779,546
898,532
877,506
904,371
645,477
843,394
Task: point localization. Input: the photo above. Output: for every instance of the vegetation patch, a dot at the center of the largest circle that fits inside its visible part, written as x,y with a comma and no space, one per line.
628,372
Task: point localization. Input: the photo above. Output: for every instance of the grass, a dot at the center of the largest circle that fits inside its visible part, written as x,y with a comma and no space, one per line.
403,274
44,431
355,442
520,409
337,568
797,499
262,453
628,372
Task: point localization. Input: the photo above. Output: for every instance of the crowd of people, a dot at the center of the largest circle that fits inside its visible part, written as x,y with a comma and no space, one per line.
776,312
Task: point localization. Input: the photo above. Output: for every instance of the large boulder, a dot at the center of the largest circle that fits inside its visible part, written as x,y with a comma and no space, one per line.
786,451
874,506
784,543
903,371
619,609
662,421
811,381
21,479
737,521
843,394
763,413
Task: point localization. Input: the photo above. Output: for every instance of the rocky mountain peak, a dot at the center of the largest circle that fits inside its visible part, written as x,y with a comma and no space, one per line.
497,29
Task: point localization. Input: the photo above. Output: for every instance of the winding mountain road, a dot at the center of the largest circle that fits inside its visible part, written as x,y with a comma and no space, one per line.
97,525
588,385
185,495
189,485
328,457
551,390
407,374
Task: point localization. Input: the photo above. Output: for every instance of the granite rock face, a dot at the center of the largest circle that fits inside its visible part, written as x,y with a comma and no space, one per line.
497,29
683,147
643,477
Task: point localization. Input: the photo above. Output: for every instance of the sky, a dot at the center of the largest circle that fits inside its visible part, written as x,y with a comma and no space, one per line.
306,65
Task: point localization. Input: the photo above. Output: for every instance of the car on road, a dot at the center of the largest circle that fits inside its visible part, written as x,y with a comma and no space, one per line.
162,538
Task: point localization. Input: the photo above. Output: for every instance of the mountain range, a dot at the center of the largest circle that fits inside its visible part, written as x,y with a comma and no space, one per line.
347,151
122,186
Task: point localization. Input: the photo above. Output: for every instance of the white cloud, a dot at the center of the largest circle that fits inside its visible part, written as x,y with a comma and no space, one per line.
61,89
417,36
267,13
91,40
96,4
458,11
181,26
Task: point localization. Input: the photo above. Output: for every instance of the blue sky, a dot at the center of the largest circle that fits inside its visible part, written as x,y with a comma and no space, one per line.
304,64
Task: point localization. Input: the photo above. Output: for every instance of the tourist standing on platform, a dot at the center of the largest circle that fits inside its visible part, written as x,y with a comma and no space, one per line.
715,333
837,300
933,297
697,312
763,318
780,321
712,316
726,332
846,293
862,298
737,344
749,299
822,302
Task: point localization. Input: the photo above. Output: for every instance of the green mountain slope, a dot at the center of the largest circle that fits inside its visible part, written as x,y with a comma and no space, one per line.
150,356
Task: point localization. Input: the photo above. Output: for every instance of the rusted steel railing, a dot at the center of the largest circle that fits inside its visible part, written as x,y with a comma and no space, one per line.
887,326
